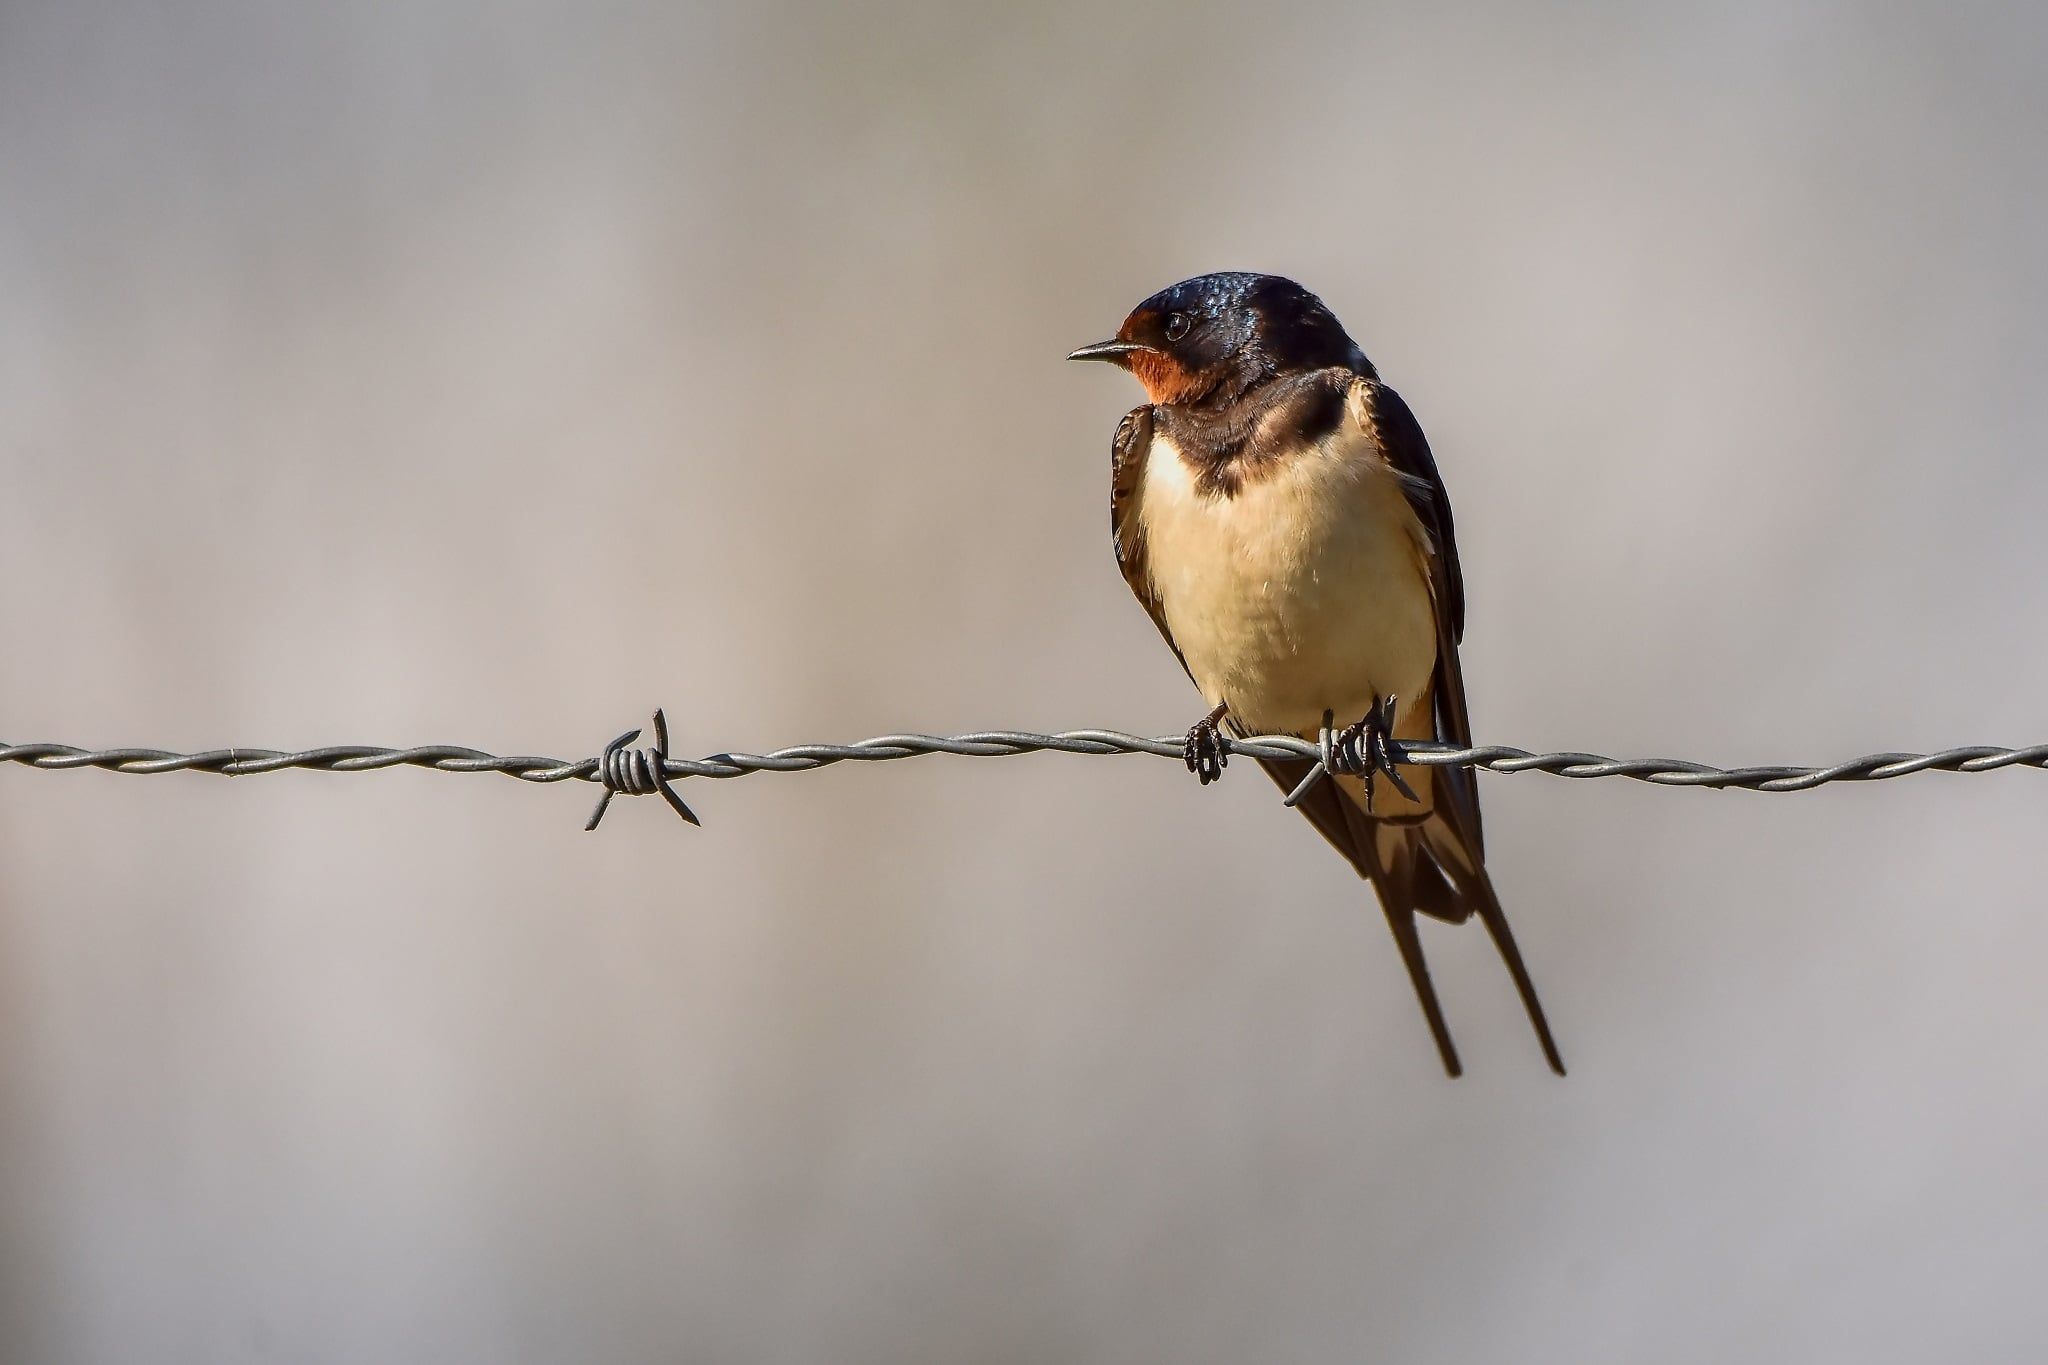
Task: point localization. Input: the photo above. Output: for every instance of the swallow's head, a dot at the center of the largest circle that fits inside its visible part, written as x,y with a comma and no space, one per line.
1215,338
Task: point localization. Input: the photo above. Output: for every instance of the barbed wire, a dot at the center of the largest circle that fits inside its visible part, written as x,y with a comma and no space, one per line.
638,772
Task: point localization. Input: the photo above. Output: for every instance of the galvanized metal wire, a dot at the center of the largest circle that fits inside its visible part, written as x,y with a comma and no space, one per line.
639,772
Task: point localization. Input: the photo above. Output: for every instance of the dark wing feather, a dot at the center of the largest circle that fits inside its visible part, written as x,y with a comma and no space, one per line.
1406,449
1126,472
1403,446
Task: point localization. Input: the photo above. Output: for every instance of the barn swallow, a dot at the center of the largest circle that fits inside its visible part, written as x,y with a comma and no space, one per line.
1277,511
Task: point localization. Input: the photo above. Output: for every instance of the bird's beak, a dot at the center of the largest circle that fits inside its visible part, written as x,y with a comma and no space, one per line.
1115,352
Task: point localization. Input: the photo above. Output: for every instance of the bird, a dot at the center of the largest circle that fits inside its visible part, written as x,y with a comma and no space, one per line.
1276,510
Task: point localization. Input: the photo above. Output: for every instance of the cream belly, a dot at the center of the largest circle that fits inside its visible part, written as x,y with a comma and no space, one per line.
1307,591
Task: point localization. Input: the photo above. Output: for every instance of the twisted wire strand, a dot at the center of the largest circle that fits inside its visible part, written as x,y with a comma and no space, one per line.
1664,772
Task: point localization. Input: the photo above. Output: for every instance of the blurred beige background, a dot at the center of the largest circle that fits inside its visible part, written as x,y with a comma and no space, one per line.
490,374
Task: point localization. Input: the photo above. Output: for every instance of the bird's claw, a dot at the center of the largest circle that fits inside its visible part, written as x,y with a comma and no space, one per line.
1204,751
1363,749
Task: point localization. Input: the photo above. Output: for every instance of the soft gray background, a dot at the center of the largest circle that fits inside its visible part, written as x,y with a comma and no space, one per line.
488,374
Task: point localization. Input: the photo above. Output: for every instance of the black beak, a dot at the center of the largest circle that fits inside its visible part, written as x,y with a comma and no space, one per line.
1115,352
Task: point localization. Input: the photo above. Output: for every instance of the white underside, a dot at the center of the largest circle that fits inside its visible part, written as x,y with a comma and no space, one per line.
1307,591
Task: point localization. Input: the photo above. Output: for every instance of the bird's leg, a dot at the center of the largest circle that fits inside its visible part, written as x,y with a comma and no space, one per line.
1203,752
1365,749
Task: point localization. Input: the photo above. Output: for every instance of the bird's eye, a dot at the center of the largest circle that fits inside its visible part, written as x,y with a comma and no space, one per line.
1178,325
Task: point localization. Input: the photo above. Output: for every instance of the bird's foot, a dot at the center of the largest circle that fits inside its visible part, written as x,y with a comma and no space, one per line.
1363,749
1204,751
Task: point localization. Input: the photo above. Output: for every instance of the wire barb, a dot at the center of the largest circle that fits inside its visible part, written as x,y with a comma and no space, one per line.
638,772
